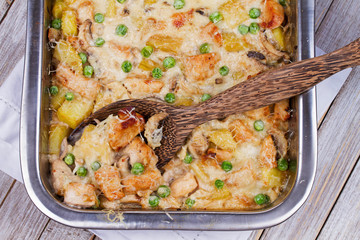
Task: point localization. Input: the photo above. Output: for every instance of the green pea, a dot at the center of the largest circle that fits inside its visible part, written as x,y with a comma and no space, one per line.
205,48
190,202
137,169
82,171
188,158
88,71
69,159
226,166
216,17
99,18
83,57
69,96
169,62
163,191
179,4
54,90
121,30
219,184
97,203
126,66
259,125
254,13
99,42
157,73
154,201
224,70
205,97
254,28
293,165
121,1
282,164
147,51
261,199
56,23
243,29
95,166
282,2
170,98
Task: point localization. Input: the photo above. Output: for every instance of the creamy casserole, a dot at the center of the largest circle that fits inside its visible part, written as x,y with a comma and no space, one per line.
182,52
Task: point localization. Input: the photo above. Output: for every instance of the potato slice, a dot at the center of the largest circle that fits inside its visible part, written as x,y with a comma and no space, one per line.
74,112
68,23
65,53
234,13
223,139
57,133
59,98
233,43
165,43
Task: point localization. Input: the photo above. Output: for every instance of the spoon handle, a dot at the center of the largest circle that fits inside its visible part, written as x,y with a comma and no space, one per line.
278,84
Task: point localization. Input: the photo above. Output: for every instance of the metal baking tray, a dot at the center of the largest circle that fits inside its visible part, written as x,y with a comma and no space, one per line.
35,118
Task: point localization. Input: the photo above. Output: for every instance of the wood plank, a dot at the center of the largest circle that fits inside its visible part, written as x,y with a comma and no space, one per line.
57,231
19,218
12,41
5,186
321,9
344,220
4,7
339,149
340,26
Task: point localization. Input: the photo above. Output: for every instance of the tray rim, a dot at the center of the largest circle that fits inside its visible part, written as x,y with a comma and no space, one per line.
185,220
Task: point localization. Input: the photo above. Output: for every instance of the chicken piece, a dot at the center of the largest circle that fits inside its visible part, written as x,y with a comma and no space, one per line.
80,195
240,132
151,25
200,67
141,86
198,144
113,92
149,180
268,153
74,41
123,165
184,185
241,178
154,134
124,129
213,31
181,18
272,15
281,110
84,86
219,155
174,169
259,113
108,178
61,175
85,11
54,35
139,151
85,37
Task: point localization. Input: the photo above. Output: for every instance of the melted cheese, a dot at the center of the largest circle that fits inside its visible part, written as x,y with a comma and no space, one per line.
180,33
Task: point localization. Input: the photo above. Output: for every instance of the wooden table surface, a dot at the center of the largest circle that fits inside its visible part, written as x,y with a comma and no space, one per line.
331,212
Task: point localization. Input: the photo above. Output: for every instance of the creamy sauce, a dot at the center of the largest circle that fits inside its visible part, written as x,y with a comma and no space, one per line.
179,34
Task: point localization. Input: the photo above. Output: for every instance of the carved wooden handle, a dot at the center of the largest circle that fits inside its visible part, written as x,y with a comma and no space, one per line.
282,83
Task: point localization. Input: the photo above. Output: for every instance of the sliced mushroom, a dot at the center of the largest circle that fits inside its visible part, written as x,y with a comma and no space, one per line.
153,133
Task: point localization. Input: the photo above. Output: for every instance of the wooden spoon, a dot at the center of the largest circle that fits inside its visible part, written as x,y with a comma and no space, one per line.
262,90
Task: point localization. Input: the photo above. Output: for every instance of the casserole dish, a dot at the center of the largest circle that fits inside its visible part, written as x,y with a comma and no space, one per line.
35,163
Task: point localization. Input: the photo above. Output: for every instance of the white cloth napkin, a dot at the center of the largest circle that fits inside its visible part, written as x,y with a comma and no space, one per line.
10,101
